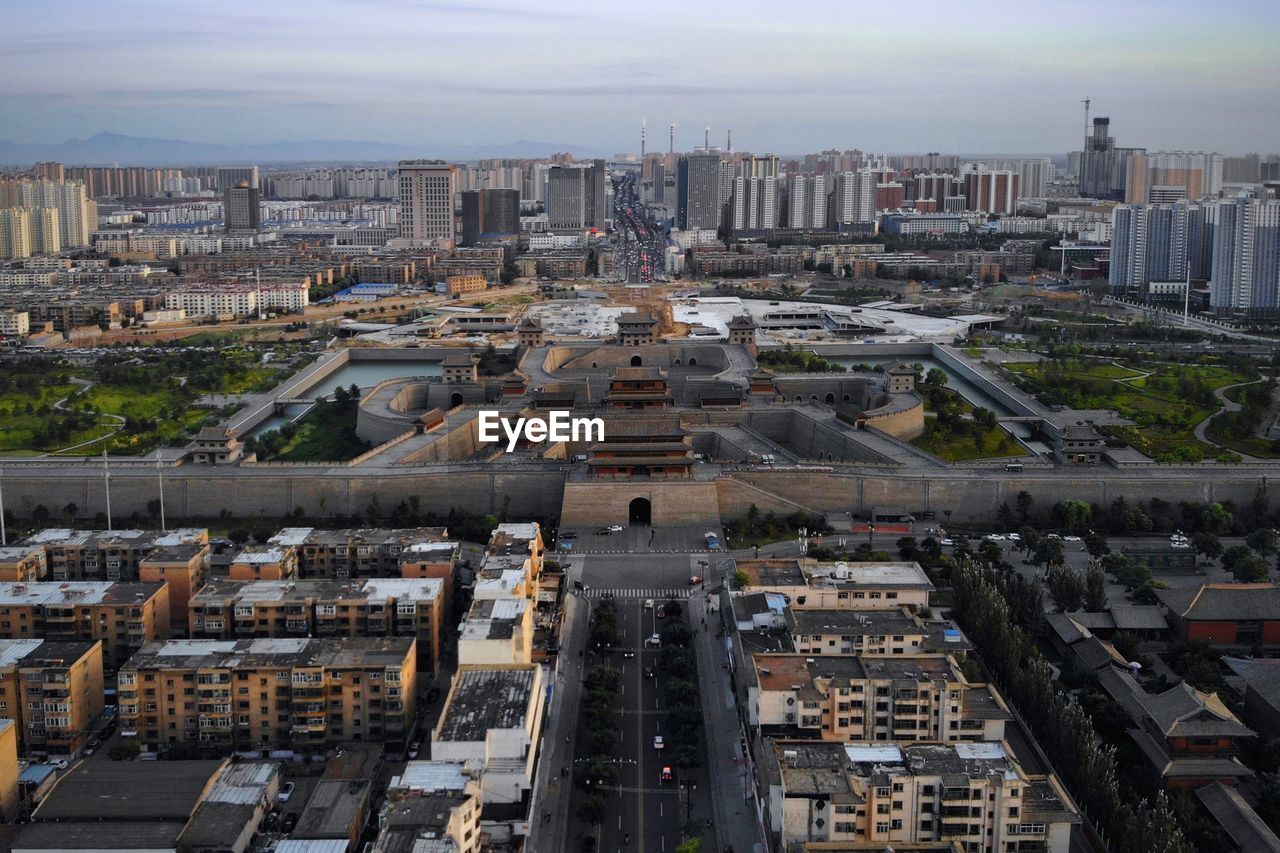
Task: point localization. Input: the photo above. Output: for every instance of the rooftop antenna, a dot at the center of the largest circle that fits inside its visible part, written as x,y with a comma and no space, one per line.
1086,124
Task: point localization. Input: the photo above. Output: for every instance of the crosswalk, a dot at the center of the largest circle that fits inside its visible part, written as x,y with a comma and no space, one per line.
657,593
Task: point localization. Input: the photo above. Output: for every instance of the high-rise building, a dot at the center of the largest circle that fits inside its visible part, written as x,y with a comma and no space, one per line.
1104,168
51,171
576,196
1246,256
1148,243
753,204
991,191
77,215
230,176
15,233
807,202
1034,176
764,166
240,208
489,212
426,200
1163,177
698,198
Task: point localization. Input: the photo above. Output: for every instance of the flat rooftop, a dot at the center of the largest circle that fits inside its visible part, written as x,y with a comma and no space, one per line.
782,672
219,590
485,698
234,654
842,575
71,593
128,790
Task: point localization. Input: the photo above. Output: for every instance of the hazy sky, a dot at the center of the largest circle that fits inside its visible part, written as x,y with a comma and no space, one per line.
982,76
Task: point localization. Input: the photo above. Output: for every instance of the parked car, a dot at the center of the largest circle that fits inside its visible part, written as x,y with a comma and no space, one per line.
286,791
414,749
289,823
60,763
616,528
695,580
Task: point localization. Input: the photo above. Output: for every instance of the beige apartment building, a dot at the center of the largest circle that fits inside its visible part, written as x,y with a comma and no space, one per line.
356,552
23,563
184,568
302,693
847,698
124,616
882,796
370,607
105,555
53,691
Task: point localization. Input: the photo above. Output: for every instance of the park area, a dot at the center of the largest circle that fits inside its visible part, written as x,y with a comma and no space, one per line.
1166,401
126,403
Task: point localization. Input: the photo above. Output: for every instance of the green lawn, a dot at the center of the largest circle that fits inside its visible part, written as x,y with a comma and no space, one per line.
1165,405
324,435
995,443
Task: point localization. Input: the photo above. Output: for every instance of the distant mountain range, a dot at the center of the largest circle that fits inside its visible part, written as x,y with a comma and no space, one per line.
108,149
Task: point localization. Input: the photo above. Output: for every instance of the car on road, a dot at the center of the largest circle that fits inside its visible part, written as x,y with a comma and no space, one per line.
415,748
665,775
91,747
695,580
649,672
1072,539
662,611
658,742
603,531
947,542
628,654
648,604
615,528
60,763
286,791
654,640
994,537
1013,537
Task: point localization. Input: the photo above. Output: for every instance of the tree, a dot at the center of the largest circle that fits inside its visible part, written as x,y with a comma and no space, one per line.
1023,501
1030,537
985,418
1263,540
990,552
693,845
592,810
1005,516
1066,589
1217,519
1048,552
1207,545
907,548
1250,568
1073,515
937,377
1095,589
1096,544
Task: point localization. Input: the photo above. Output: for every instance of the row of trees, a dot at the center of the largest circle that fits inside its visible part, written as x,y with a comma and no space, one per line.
1125,517
680,689
1128,822
598,734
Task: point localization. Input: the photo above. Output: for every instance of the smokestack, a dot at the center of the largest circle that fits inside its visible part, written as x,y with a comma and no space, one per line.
672,149
642,123
706,139
728,143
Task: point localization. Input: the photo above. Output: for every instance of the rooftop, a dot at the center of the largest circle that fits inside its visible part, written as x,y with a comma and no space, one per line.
1238,819
485,698
128,791
897,575
334,808
493,618
1232,602
1180,711
236,654
70,593
219,590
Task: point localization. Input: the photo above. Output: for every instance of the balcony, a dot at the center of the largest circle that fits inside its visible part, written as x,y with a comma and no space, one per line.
951,830
955,795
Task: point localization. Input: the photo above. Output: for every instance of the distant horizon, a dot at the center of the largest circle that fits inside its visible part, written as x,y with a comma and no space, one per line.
997,75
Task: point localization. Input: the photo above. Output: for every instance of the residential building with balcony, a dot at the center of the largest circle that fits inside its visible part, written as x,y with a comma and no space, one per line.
53,691
354,552
369,607
112,555
497,631
124,616
810,584
299,693
849,698
23,563
975,794
184,568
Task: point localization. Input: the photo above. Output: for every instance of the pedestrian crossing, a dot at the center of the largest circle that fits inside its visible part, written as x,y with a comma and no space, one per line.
656,593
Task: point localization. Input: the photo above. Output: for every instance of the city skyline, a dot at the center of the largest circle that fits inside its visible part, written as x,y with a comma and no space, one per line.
1003,79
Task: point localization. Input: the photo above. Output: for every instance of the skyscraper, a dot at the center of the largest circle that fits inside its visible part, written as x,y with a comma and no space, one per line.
1246,256
77,215
753,204
577,196
426,200
240,209
1104,168
230,176
991,191
1034,176
489,212
1149,242
698,199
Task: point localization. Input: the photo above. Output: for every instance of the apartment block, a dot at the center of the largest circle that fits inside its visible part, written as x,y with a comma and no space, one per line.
497,631
23,563
839,586
53,691
124,616
851,698
870,632
492,721
975,794
382,607
112,555
304,693
355,553
264,563
447,820
8,769
184,568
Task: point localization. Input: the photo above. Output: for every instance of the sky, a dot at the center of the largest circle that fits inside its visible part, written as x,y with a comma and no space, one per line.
986,76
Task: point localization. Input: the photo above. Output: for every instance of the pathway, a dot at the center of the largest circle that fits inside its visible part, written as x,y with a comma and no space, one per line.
60,405
1228,405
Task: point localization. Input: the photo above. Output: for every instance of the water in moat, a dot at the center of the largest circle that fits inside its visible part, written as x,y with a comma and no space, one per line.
959,384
